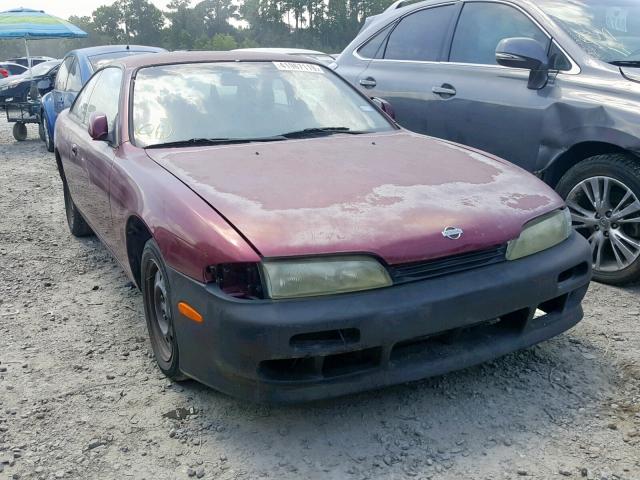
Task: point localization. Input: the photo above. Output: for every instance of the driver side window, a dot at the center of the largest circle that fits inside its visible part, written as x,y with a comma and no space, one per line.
63,74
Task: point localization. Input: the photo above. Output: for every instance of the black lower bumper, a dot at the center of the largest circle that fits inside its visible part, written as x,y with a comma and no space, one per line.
300,350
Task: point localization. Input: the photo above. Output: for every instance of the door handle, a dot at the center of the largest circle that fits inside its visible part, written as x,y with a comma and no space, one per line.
74,150
368,82
445,90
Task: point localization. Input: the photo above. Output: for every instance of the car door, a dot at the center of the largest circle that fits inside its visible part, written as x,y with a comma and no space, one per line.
96,157
76,147
405,64
490,107
61,84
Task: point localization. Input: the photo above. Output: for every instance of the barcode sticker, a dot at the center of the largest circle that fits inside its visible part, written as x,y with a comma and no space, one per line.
298,67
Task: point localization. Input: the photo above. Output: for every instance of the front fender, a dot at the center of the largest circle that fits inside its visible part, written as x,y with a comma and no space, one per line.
190,233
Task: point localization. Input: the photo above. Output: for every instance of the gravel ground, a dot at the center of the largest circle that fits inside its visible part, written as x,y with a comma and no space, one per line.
80,396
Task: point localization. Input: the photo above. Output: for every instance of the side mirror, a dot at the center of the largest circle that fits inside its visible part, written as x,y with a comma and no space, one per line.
98,126
527,54
44,85
385,106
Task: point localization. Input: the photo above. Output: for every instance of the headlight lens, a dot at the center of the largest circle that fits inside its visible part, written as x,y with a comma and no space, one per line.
323,276
540,234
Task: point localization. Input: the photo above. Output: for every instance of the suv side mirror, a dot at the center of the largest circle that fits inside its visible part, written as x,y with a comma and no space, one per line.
527,54
385,106
98,127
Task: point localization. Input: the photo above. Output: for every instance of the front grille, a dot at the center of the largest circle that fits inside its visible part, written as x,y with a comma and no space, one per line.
411,272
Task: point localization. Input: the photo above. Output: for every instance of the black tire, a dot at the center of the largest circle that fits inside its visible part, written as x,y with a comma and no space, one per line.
77,224
41,130
158,311
624,169
48,140
20,132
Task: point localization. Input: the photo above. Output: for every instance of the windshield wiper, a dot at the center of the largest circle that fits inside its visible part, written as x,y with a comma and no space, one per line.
626,63
193,142
321,131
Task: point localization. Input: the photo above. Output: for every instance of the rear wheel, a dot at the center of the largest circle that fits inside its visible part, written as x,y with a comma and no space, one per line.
48,140
158,310
41,130
20,132
603,195
77,224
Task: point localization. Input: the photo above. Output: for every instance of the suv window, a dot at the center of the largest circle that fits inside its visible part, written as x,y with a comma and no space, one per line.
421,35
105,96
81,105
74,84
483,25
374,48
63,74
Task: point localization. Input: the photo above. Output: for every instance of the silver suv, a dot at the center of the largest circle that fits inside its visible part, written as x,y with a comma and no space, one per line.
550,85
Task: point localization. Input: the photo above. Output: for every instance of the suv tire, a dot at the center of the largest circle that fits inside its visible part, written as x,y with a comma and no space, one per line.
603,195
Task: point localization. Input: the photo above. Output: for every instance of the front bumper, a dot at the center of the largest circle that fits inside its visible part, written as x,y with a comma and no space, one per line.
307,349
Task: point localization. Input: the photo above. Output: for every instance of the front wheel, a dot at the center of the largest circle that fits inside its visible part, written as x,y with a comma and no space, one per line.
603,195
158,310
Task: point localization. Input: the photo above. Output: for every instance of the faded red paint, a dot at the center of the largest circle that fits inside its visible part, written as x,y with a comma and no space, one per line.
387,194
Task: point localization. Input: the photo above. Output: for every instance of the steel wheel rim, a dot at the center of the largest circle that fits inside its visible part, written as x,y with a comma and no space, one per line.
160,312
607,213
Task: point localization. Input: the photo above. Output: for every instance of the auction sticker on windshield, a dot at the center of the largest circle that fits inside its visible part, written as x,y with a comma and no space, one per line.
298,67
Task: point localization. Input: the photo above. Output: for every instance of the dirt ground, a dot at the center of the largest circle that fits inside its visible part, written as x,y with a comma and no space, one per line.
81,397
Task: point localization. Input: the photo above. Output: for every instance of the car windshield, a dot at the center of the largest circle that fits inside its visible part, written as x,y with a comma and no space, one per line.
99,61
236,101
606,29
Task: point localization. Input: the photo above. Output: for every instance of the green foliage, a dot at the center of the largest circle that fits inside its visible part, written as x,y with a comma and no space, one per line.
327,25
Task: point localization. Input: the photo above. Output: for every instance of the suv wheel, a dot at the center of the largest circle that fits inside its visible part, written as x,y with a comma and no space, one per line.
603,195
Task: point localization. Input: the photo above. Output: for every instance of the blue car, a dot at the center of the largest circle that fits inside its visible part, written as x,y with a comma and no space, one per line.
77,68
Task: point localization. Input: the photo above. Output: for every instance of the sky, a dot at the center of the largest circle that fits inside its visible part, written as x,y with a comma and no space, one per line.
65,8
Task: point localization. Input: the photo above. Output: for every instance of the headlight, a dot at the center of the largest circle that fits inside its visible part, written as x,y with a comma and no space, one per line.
540,234
323,276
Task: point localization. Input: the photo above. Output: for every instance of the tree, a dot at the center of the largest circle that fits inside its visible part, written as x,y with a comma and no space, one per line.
128,21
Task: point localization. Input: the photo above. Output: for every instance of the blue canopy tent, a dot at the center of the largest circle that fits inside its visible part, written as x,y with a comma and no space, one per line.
35,24
27,24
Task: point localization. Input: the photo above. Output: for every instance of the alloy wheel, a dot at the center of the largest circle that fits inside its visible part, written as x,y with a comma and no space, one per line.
607,213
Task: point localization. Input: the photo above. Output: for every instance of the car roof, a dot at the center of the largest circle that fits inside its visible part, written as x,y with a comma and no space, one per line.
168,58
104,49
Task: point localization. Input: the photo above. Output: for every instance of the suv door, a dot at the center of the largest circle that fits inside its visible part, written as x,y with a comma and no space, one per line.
404,64
490,106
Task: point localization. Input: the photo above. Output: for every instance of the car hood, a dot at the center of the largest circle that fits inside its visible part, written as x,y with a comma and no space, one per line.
388,194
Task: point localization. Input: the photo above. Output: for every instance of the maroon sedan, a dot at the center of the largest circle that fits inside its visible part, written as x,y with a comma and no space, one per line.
292,242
